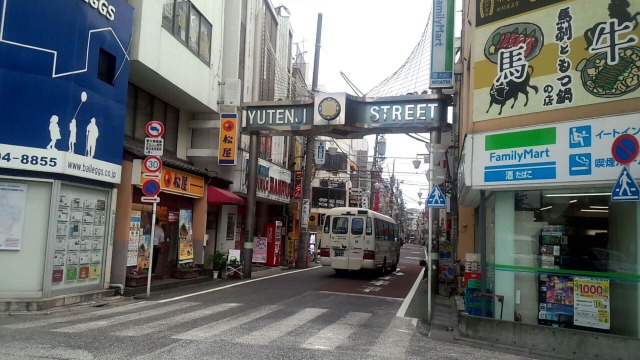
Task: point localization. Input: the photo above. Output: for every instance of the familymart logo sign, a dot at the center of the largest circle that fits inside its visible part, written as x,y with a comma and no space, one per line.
520,156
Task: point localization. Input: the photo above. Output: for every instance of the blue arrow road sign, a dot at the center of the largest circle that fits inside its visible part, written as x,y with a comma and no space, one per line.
625,188
436,198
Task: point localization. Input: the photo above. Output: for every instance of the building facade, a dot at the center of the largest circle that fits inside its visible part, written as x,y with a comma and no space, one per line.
546,187
65,70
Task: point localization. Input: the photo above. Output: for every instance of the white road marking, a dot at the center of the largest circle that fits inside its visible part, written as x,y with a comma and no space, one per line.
84,316
215,328
395,339
237,284
378,282
371,288
337,333
282,327
178,319
407,300
124,318
363,295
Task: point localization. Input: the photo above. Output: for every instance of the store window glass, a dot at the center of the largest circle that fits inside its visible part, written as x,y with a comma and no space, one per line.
80,238
181,16
167,15
205,40
194,29
569,256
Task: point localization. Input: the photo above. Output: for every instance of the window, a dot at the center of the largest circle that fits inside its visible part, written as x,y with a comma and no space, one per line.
327,224
186,23
379,230
340,225
356,226
167,14
205,40
369,226
194,30
106,67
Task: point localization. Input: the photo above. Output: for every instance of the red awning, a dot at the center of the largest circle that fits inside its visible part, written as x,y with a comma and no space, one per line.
219,196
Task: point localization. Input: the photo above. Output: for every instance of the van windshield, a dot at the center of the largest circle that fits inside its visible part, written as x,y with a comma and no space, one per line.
340,225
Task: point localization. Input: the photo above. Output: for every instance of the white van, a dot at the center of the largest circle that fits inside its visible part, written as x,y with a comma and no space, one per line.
356,239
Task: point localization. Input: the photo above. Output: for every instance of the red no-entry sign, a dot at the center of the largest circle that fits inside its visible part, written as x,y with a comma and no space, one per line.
625,149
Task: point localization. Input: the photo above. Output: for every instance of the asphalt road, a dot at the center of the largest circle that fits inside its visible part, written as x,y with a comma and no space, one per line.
308,314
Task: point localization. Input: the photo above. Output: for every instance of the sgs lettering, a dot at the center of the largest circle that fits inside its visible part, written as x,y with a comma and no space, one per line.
103,8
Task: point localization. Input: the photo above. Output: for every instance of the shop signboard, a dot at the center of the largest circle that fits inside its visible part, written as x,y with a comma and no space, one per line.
13,202
442,38
177,182
274,182
592,303
58,116
573,151
531,57
227,139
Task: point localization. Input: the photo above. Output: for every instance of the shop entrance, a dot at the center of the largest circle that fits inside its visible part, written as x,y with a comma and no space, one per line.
173,243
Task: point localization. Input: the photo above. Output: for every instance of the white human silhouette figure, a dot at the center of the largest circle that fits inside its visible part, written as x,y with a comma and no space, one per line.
436,196
578,137
54,132
72,136
92,138
624,182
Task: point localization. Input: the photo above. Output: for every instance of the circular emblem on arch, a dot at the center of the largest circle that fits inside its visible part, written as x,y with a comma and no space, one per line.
329,109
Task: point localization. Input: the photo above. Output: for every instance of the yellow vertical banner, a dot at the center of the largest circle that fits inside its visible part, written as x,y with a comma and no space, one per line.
227,141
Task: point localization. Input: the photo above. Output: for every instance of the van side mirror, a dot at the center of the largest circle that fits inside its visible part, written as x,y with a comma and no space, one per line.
423,263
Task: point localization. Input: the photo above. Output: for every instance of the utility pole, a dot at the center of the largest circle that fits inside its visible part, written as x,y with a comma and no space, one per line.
302,259
434,138
374,167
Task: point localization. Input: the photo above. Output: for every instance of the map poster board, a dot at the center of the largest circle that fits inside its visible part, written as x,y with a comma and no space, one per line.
185,231
259,249
13,201
134,238
591,306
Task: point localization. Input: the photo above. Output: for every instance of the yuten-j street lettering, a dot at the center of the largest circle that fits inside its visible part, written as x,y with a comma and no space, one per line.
519,156
402,113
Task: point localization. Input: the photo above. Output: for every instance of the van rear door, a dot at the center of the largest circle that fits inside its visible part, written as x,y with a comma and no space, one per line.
340,241
355,250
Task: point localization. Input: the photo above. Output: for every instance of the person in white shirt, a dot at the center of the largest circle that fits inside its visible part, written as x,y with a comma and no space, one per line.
158,238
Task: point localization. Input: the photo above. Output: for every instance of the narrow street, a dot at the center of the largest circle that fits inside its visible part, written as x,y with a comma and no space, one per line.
308,314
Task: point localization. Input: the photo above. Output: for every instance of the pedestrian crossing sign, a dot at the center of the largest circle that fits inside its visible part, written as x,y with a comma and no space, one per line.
625,189
436,198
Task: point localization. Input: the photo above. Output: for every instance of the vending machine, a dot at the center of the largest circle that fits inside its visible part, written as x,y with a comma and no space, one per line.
272,231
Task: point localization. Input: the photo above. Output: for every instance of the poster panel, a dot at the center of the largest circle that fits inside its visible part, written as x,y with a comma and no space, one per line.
259,249
13,201
554,54
592,303
134,238
185,232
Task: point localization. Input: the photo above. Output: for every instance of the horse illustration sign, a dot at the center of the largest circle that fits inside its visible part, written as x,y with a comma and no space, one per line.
565,54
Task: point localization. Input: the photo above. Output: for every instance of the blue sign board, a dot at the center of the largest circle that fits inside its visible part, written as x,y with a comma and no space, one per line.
625,188
436,198
580,164
580,136
520,172
64,70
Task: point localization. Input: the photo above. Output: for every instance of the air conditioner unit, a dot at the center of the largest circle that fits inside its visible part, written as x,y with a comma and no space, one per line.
232,91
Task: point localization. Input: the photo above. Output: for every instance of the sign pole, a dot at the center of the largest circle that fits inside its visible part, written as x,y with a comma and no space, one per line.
429,263
153,230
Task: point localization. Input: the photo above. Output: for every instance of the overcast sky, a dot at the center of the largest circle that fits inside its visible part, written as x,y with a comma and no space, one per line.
368,40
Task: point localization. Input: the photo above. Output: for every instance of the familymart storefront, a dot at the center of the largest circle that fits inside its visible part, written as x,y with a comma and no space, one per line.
561,223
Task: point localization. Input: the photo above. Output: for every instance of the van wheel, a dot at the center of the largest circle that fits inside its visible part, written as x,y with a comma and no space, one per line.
394,267
384,270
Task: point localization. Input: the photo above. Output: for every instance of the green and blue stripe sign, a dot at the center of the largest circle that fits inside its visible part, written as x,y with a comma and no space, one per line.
520,156
567,152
